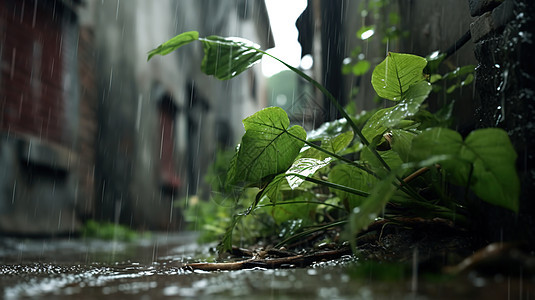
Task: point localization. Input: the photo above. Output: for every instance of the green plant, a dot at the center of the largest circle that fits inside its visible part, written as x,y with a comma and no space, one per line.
345,173
108,231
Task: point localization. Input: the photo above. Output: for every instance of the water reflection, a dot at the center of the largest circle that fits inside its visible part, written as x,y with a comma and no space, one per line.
152,268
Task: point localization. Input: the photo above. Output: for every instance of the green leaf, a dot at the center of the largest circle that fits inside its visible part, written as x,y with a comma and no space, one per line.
494,159
390,117
330,138
267,148
339,142
469,79
460,71
371,208
447,144
226,58
375,127
389,156
409,105
350,176
273,190
401,143
174,43
393,77
361,67
327,130
305,167
296,211
486,154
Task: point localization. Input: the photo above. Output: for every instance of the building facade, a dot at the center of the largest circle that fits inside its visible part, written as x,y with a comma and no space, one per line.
90,129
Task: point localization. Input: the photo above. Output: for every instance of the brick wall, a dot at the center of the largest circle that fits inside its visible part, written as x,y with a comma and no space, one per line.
32,71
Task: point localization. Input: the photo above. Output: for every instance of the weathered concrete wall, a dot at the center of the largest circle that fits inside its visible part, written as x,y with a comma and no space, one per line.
37,187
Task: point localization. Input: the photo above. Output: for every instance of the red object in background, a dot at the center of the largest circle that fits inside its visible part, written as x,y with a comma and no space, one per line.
168,174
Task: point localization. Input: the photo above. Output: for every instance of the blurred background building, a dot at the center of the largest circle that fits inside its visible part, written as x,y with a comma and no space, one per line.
89,129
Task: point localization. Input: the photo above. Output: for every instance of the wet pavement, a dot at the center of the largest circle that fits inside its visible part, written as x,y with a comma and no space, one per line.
151,268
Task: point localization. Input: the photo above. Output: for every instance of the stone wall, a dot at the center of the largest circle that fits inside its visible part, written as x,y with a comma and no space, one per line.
505,83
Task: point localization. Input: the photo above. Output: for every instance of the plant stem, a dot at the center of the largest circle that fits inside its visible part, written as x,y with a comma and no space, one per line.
305,233
301,202
331,185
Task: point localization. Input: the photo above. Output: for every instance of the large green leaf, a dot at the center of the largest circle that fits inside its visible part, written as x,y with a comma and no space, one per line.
353,177
226,58
305,167
486,154
393,77
494,159
267,148
445,143
174,43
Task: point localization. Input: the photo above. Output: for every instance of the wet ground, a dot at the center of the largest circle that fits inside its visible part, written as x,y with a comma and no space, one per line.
151,268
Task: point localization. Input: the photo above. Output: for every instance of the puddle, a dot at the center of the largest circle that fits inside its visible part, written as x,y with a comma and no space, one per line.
152,269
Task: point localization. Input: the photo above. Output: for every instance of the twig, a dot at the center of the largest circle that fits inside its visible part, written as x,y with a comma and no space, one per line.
301,260
415,174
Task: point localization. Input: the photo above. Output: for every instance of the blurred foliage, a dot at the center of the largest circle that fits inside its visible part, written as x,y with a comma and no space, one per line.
110,231
380,19
380,271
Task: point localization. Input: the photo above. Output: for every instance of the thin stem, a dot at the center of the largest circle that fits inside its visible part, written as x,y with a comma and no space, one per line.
305,233
301,202
331,185
415,174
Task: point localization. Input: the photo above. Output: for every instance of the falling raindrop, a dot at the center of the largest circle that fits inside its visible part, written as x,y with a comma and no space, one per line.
59,219
34,13
117,10
14,191
415,262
